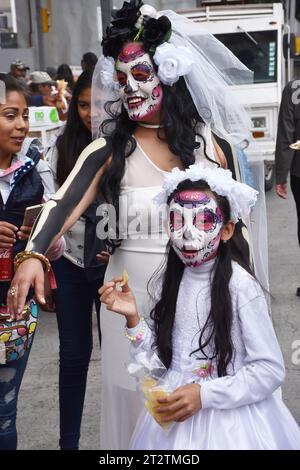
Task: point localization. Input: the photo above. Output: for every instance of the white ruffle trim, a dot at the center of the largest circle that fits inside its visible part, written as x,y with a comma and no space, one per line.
241,197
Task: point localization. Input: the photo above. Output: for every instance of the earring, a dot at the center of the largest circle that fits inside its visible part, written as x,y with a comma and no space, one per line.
224,241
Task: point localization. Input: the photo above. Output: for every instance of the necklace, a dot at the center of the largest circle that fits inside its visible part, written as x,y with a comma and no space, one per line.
150,126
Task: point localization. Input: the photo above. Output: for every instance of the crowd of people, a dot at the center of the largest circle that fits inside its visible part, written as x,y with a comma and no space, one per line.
148,181
44,85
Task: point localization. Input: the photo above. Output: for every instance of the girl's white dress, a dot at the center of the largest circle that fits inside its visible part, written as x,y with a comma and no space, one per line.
242,410
141,256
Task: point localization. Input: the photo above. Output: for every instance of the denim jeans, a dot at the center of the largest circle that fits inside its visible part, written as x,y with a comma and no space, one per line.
74,299
11,375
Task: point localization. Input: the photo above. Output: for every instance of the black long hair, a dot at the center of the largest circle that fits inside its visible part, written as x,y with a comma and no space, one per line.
76,136
217,328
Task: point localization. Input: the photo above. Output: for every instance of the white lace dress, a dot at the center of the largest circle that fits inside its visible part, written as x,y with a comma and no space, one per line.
141,256
242,410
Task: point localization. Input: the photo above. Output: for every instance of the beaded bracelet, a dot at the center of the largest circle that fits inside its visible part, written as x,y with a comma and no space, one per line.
139,336
23,255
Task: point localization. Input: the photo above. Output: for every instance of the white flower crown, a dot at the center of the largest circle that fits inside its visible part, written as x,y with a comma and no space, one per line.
173,62
241,197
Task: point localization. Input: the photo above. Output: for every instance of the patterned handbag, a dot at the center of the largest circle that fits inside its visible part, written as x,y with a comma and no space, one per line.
16,337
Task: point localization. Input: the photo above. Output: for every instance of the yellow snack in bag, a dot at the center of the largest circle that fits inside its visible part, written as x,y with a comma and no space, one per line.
147,384
125,278
153,393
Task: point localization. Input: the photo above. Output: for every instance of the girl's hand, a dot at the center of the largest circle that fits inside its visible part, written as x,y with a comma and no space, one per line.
30,273
24,232
7,234
119,301
181,404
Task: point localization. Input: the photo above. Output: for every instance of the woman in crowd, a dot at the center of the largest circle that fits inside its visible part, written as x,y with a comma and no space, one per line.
25,180
78,273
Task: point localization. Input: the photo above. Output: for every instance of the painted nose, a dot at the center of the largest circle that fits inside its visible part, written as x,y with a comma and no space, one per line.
189,232
130,86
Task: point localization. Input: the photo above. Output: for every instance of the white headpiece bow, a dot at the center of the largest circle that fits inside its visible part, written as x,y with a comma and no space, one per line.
241,197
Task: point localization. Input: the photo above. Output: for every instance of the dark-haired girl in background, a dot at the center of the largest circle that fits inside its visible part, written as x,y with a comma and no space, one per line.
158,126
210,327
64,72
78,273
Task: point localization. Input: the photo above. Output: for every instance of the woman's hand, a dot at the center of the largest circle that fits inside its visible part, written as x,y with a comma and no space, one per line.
103,257
282,190
30,273
181,404
7,234
24,232
119,301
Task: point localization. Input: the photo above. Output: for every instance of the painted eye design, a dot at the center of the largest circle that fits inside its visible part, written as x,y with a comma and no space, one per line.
205,220
176,221
122,78
141,72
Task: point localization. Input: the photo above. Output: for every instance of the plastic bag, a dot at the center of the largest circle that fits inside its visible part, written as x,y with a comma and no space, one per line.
150,374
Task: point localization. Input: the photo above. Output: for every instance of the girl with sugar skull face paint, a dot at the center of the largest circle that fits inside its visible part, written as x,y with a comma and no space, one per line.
195,223
210,330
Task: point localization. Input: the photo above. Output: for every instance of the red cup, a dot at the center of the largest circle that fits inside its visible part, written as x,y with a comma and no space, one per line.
6,264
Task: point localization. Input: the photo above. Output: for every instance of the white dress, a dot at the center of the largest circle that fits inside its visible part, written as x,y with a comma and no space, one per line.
242,410
140,257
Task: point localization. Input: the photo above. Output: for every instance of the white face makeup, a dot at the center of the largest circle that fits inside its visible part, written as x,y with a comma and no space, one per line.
195,225
140,88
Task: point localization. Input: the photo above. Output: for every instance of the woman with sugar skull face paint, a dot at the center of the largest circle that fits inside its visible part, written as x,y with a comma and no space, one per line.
210,330
150,122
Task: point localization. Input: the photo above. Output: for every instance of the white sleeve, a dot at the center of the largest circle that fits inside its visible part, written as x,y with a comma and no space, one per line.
263,371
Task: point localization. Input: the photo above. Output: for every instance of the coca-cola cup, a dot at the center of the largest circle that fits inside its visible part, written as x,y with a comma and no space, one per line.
6,264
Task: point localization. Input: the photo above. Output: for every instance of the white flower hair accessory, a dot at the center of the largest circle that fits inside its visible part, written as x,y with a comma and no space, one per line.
241,197
173,62
147,11
107,74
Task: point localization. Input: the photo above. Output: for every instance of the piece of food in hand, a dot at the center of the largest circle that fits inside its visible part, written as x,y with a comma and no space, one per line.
125,278
296,145
61,86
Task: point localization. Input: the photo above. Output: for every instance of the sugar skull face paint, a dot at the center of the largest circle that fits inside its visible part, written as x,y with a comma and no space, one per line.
195,225
140,88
